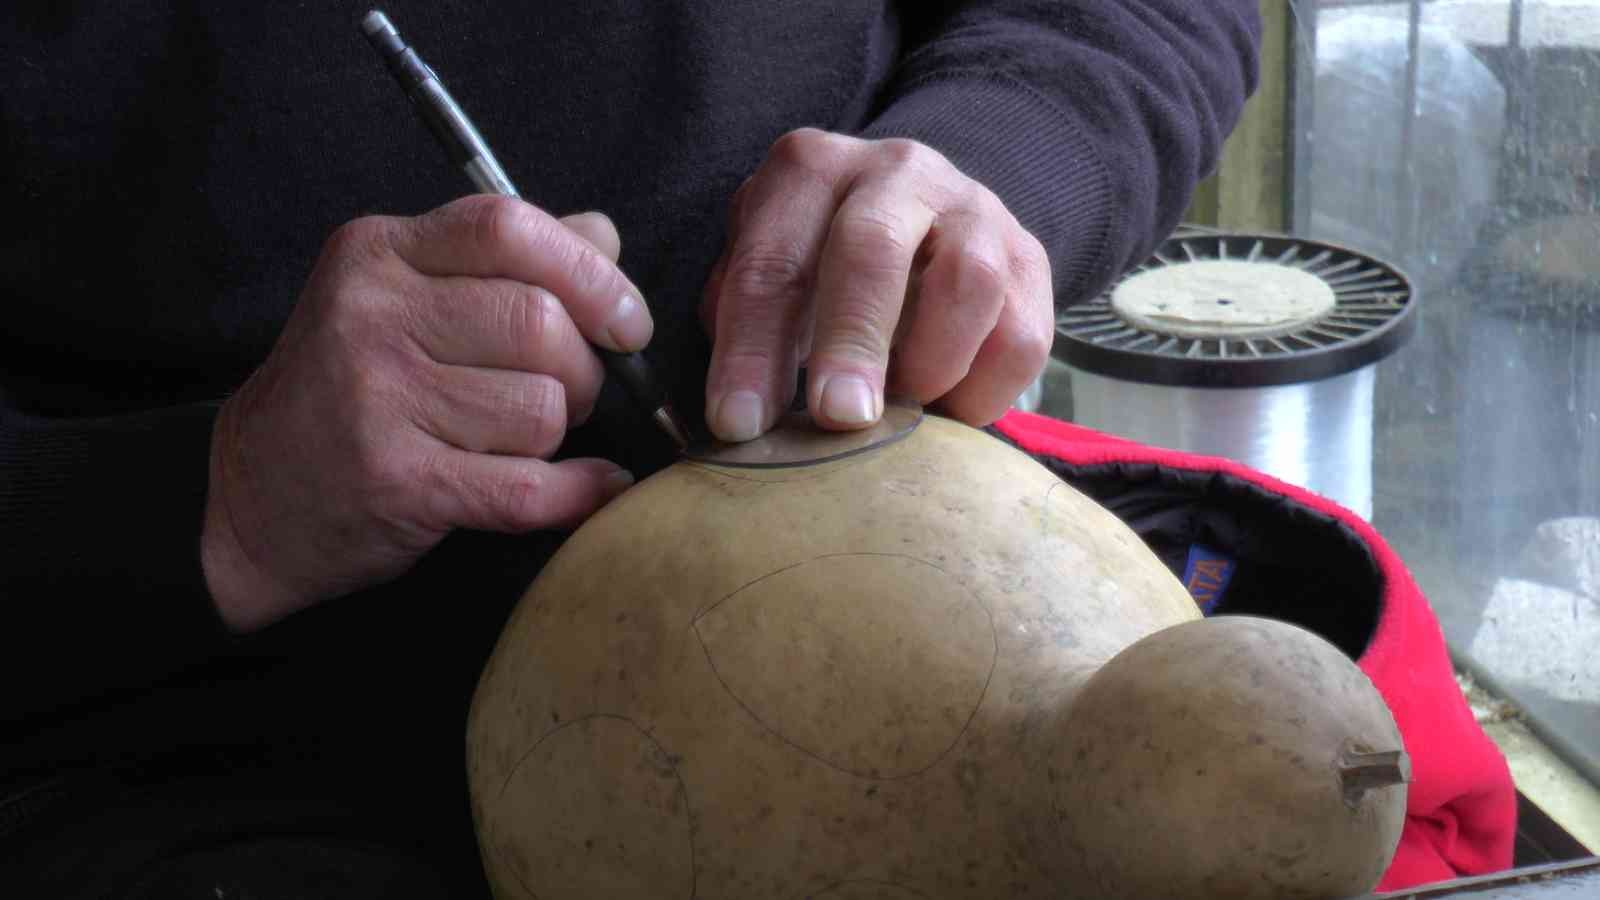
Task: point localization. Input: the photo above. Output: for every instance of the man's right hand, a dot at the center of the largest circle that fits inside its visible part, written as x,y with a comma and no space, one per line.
429,369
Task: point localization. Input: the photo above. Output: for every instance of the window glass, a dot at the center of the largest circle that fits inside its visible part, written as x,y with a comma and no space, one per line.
1460,139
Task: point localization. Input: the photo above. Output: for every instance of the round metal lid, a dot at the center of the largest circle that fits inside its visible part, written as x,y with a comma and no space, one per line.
1240,310
798,441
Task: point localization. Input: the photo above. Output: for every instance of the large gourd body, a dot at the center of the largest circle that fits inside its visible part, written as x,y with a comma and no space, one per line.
842,680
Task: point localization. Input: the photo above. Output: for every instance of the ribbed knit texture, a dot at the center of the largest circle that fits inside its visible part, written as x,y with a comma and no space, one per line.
1089,124
1031,155
83,599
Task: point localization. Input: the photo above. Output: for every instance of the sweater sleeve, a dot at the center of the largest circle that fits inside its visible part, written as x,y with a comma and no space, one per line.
1092,120
101,584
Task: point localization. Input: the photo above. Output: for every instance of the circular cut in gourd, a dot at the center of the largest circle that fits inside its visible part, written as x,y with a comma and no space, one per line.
838,679
1232,757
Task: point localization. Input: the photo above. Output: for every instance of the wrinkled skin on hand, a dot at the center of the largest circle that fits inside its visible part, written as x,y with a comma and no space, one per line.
876,264
433,365
430,368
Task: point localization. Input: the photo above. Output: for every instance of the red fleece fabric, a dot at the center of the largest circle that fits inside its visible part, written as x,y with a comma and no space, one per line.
1461,806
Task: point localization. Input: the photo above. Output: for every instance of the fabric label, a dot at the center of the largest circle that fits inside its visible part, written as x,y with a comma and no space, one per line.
1206,575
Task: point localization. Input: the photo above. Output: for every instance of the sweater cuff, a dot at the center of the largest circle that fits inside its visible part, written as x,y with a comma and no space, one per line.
105,518
1032,154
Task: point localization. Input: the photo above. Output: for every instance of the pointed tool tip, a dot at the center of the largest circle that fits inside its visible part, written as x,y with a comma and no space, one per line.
673,426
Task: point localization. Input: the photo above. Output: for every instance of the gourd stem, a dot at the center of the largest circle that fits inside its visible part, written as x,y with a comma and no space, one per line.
1363,770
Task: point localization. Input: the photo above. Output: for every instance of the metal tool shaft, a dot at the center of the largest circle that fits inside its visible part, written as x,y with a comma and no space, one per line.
467,149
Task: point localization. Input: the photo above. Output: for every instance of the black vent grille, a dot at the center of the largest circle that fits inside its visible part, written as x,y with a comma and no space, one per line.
1370,318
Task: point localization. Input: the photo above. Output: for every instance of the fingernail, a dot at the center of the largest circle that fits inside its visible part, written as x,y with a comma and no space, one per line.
847,400
618,481
630,326
738,416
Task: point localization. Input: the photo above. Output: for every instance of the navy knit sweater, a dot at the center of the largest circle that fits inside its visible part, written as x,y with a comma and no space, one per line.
171,169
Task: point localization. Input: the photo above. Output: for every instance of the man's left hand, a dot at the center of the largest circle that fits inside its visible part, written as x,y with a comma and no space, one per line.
874,264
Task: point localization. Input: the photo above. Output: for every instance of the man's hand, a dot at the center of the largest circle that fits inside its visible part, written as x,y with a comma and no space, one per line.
872,263
430,366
